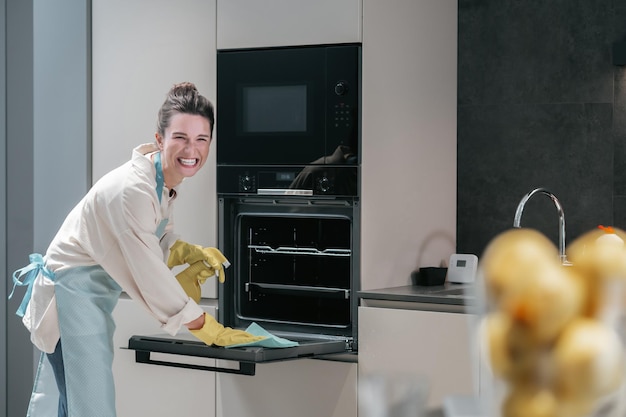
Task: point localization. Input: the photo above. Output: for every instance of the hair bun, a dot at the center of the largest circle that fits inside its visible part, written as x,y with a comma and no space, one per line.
183,88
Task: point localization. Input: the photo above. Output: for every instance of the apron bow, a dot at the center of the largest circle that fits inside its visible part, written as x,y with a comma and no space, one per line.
30,272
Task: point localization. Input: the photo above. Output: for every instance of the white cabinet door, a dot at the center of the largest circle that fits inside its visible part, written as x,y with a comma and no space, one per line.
139,50
253,23
153,390
428,344
302,388
408,144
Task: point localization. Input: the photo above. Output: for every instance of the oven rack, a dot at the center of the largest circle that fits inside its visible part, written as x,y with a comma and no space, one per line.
290,250
302,290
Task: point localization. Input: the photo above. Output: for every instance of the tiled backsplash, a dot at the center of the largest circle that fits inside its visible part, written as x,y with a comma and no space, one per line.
540,104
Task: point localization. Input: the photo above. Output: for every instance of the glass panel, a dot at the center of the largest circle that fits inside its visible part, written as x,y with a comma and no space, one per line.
297,309
295,269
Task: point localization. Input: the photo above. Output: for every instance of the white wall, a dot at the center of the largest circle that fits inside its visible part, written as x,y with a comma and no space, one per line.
140,49
408,210
139,52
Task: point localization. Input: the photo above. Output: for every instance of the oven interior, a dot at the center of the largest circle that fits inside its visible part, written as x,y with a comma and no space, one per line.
295,265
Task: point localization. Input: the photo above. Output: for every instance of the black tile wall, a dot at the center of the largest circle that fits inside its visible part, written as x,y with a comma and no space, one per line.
540,104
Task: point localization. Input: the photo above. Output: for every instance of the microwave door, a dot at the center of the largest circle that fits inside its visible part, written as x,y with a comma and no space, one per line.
271,106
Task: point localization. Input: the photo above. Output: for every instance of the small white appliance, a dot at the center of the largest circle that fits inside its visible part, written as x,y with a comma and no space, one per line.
462,268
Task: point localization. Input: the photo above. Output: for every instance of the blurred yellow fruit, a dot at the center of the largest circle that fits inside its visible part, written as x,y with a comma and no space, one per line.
588,360
511,352
544,302
574,406
512,256
530,401
600,253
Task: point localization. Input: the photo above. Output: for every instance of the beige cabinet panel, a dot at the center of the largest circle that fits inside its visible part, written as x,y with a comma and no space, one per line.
252,23
153,390
408,175
432,345
139,50
302,387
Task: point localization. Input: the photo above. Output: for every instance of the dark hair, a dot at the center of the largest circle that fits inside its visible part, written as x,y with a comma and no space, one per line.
184,98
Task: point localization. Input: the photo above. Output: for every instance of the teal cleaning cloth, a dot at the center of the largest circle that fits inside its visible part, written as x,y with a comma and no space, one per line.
271,341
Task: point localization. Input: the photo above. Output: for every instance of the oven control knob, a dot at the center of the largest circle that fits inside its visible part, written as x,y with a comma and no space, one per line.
324,184
246,183
341,88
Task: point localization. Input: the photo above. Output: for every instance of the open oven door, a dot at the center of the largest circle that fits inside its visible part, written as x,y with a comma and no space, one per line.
309,346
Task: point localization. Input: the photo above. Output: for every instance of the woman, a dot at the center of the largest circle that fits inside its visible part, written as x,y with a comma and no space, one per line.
118,238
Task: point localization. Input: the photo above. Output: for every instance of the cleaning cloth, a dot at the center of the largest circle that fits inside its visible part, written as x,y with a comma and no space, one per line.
271,341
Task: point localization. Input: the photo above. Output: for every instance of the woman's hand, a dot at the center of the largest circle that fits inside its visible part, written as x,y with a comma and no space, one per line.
196,324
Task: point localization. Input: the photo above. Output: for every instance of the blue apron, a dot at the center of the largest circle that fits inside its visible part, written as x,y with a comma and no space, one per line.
85,297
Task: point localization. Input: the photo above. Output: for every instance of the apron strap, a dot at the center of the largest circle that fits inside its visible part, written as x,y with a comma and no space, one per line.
159,190
30,272
159,175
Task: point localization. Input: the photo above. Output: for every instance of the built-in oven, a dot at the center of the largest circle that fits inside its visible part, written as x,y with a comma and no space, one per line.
296,264
288,185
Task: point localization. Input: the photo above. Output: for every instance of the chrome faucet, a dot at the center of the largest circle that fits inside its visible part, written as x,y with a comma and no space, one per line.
559,209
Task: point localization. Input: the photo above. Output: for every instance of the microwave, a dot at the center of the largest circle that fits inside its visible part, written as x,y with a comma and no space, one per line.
294,106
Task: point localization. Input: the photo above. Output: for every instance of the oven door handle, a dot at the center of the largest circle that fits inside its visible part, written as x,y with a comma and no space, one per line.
245,368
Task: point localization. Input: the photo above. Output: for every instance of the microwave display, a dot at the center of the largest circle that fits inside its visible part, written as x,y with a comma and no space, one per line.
289,105
274,109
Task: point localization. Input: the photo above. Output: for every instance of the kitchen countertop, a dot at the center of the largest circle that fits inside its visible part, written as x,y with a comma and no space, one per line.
447,297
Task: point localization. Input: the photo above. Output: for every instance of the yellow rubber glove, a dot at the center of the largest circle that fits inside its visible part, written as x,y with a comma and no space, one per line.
184,253
192,277
216,260
213,333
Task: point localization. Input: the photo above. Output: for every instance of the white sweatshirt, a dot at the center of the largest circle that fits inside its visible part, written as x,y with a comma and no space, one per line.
114,226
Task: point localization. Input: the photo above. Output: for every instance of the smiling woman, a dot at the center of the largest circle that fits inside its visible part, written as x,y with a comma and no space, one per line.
184,131
184,147
119,238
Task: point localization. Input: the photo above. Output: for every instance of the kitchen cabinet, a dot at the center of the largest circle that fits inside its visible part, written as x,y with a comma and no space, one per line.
408,145
139,50
252,23
303,388
152,390
433,345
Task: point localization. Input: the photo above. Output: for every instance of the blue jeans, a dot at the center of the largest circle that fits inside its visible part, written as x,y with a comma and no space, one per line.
56,360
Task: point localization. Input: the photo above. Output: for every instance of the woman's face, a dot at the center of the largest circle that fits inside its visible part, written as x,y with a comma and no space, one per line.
185,147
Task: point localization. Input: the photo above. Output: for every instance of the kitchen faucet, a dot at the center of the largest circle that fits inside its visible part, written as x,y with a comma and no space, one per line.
559,209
